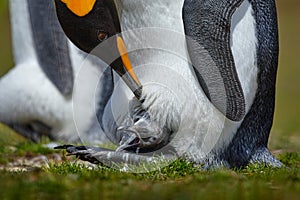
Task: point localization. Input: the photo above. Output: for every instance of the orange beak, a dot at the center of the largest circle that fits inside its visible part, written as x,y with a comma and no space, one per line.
126,61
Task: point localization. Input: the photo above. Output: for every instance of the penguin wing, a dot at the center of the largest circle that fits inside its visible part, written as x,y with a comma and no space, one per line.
51,45
207,26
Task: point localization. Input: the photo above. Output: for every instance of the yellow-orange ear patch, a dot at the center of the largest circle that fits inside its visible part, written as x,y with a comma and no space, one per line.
80,7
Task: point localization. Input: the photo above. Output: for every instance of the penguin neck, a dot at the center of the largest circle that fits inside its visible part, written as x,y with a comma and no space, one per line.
153,17
140,14
157,50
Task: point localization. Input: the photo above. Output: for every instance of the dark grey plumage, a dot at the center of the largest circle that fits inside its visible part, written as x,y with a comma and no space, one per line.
251,140
51,45
207,23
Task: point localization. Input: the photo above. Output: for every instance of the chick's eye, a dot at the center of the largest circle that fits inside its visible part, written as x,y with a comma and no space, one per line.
102,36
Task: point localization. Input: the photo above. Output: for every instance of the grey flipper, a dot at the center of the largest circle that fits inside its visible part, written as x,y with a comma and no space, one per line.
207,23
107,86
251,140
51,44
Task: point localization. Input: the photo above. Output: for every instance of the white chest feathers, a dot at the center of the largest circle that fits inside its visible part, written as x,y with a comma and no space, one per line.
243,47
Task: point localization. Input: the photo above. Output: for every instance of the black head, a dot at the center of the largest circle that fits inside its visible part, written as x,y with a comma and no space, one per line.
87,23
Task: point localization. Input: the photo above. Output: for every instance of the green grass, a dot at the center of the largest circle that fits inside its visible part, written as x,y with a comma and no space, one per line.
13,145
177,181
68,179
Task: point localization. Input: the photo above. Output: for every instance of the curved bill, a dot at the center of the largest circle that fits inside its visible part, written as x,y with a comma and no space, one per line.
130,77
115,54
88,23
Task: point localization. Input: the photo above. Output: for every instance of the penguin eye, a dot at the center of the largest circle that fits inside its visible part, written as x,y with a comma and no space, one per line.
102,36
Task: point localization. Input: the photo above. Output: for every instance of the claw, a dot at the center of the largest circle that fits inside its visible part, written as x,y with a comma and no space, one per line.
66,146
83,152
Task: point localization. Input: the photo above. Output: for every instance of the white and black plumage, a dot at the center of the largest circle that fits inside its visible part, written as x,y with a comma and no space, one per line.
218,111
47,92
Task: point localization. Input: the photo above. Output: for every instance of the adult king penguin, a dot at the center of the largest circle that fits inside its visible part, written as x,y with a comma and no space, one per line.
202,73
40,94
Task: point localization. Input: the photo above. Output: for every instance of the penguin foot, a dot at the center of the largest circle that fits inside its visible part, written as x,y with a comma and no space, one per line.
96,155
27,132
264,156
83,152
213,163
